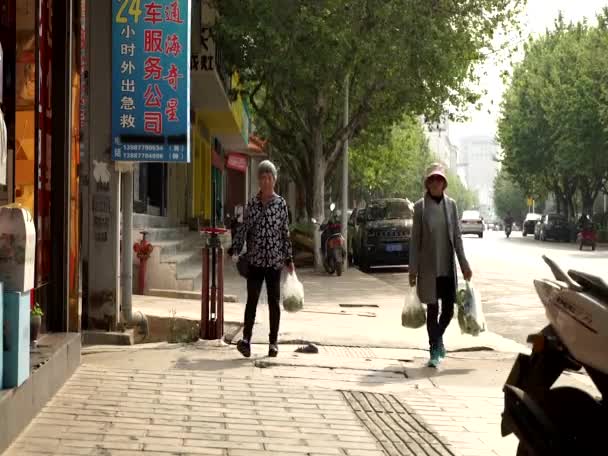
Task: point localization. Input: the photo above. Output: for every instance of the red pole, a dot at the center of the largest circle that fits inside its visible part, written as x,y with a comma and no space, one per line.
204,330
219,317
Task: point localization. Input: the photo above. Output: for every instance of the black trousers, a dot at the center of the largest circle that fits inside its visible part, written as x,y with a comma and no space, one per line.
436,324
256,276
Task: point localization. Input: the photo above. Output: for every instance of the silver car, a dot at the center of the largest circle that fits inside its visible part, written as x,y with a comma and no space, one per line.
472,223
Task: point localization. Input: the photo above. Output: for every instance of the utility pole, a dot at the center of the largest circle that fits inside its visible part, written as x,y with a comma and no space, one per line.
345,175
126,270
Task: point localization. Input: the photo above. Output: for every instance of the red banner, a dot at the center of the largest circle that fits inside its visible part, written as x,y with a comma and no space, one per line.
238,162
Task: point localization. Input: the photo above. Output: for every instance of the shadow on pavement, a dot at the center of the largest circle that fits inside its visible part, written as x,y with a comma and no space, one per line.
415,373
211,365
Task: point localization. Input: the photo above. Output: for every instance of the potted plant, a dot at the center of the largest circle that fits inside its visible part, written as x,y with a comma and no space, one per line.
35,323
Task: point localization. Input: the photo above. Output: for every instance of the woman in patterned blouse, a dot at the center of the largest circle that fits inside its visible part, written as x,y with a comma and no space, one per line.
265,229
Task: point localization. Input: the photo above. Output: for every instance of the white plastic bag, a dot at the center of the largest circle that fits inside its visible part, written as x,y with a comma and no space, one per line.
470,314
293,293
413,314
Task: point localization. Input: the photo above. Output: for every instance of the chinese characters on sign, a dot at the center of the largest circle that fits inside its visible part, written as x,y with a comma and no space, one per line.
151,80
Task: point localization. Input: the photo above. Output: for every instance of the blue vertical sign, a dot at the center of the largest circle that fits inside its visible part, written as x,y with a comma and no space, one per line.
151,80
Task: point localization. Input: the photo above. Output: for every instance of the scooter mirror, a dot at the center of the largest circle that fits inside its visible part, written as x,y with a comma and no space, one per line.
332,206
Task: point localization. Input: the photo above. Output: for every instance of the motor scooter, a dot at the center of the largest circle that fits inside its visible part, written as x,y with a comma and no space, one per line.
333,246
586,237
561,421
508,229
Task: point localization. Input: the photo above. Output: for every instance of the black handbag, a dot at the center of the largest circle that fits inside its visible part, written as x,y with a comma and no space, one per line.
242,265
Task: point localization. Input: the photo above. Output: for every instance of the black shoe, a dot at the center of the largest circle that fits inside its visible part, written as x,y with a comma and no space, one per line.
273,350
244,348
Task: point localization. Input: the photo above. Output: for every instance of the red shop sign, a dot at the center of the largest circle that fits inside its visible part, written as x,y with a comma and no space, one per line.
238,162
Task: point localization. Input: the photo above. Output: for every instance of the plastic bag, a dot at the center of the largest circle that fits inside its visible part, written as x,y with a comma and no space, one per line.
470,314
293,293
413,314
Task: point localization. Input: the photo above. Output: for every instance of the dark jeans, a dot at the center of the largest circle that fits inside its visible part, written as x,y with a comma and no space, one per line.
435,324
255,278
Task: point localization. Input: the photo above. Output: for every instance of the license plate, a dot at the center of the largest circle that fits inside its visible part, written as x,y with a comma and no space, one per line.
394,247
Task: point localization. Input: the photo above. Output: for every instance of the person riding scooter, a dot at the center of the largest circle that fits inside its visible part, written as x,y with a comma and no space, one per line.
508,224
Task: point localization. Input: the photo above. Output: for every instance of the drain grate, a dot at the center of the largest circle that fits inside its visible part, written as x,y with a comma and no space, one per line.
400,431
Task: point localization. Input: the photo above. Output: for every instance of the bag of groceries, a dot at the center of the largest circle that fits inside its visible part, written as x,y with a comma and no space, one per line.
293,293
470,314
413,314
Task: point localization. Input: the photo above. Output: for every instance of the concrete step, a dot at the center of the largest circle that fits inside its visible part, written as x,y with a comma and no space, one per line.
168,249
162,234
150,221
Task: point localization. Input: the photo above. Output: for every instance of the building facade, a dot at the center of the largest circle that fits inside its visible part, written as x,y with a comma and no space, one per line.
479,165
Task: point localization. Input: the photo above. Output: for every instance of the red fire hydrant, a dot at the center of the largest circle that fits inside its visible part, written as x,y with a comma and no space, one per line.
143,249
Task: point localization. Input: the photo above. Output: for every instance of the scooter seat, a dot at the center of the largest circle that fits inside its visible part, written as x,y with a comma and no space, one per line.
592,284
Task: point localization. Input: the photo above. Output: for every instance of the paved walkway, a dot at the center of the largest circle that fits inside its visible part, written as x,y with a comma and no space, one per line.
120,412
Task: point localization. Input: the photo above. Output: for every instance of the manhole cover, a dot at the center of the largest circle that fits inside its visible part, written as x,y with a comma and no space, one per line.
358,305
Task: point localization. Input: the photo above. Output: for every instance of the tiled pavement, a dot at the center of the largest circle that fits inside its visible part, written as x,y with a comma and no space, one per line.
107,411
123,412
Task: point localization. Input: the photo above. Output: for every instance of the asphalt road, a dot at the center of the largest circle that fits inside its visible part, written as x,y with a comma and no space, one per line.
504,270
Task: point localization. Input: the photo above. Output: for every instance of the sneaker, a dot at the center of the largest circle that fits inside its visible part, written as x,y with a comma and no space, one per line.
434,360
273,350
244,348
441,352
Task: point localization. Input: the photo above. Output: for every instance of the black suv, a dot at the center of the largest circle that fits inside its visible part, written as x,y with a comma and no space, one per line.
384,236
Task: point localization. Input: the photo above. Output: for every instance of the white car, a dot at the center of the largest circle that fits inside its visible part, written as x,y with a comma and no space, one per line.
472,223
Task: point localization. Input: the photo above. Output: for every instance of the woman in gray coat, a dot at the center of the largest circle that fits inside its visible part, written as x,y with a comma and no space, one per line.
436,240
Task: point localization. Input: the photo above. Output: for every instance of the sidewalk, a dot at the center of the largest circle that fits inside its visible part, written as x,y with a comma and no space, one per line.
353,310
164,399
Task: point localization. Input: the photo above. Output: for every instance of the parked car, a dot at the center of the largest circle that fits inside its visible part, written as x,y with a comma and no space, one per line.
472,223
530,224
355,221
554,227
384,237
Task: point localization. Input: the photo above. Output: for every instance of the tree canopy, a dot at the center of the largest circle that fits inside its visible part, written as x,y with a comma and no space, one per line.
509,197
413,57
553,128
392,168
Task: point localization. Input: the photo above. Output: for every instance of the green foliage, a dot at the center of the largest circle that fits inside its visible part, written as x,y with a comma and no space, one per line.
554,123
401,56
392,168
465,198
509,197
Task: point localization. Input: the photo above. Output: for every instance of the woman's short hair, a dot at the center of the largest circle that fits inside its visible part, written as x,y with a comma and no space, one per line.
267,167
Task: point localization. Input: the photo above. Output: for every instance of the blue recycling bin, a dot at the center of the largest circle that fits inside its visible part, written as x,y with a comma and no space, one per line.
16,338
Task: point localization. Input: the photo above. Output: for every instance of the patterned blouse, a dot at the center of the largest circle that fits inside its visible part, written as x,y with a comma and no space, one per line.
266,229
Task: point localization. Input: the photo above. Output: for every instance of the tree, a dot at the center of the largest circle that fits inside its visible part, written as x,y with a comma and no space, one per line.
465,198
400,56
553,128
393,168
509,197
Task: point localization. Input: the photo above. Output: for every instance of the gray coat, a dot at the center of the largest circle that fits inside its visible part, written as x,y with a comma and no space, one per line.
422,253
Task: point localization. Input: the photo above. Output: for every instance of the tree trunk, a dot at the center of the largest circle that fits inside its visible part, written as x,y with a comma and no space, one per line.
319,167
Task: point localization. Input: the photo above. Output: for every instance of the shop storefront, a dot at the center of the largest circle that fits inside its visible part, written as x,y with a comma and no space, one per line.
44,108
41,103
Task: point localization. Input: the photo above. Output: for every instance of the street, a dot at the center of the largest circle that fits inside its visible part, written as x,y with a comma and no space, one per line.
504,270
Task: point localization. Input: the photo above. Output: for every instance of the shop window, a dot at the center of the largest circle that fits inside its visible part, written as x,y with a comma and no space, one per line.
25,99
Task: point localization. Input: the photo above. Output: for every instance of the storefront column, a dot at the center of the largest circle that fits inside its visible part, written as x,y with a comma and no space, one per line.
101,183
57,316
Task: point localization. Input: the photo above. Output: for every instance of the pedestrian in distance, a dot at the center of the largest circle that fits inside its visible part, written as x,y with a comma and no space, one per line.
265,229
435,241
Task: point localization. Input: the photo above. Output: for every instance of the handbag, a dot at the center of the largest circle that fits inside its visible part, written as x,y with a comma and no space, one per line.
242,265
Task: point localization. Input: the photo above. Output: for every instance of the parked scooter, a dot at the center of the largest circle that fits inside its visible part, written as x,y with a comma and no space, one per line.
562,421
333,247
